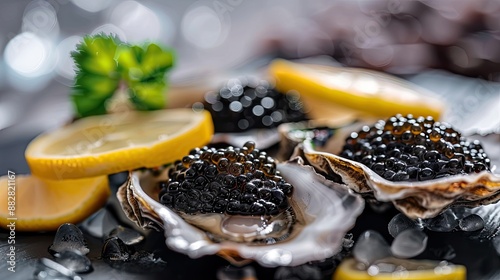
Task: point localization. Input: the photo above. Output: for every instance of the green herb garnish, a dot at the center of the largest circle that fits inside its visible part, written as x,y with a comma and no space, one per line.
106,65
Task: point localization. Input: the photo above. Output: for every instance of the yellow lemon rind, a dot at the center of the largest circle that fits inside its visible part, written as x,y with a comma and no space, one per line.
43,205
303,79
73,166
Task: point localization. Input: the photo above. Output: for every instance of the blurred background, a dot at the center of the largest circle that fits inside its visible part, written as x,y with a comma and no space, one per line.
450,47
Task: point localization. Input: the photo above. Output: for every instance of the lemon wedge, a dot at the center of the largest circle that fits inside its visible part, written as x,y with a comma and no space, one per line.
106,144
35,204
346,91
413,270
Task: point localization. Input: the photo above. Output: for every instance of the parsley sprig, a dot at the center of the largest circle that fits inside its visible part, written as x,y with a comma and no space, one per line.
105,65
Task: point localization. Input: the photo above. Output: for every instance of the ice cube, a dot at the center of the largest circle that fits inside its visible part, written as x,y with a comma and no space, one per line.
491,217
74,261
68,237
100,224
127,235
122,257
115,250
371,246
472,222
46,269
400,223
445,222
461,211
382,267
409,243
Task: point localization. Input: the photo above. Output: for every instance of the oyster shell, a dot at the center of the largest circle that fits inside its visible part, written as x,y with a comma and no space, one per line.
423,199
324,212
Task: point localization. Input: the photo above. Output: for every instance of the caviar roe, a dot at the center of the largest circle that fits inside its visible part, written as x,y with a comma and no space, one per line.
235,181
243,104
415,149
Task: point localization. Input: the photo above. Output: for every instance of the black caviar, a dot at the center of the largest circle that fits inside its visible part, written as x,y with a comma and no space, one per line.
236,181
244,104
415,149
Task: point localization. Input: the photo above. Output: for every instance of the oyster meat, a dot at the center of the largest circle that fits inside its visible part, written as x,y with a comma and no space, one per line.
309,224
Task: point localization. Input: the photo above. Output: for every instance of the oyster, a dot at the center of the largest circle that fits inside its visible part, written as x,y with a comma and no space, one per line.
417,195
313,229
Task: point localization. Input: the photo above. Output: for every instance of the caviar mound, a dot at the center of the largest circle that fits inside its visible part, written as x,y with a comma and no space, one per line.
235,181
243,104
414,149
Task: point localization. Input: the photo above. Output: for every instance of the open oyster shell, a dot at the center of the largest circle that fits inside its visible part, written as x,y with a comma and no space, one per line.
328,210
424,199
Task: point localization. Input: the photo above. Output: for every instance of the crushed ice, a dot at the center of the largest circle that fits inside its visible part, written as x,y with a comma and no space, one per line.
127,235
400,223
370,247
100,224
68,237
123,257
46,269
409,243
75,261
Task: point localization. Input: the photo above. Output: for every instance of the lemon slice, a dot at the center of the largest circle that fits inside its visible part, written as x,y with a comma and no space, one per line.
414,270
351,90
35,204
112,143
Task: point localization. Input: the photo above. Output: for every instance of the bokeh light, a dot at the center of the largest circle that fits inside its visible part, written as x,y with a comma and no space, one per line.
202,27
136,21
28,55
40,18
29,62
93,6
